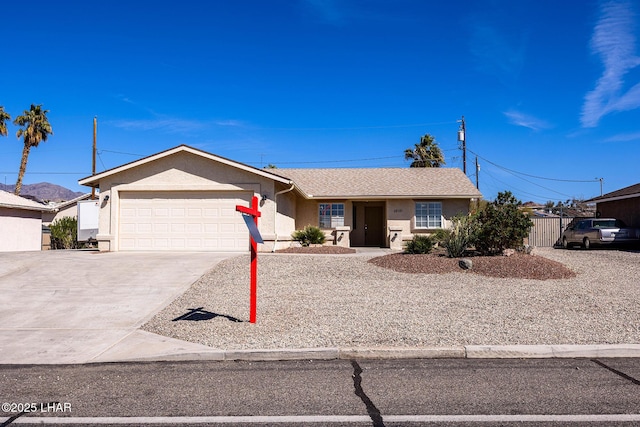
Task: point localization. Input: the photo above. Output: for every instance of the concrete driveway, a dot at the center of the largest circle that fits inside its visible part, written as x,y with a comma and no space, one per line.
87,306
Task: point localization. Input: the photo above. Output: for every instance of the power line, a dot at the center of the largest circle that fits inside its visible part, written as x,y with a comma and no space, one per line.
48,173
531,176
362,127
338,161
519,190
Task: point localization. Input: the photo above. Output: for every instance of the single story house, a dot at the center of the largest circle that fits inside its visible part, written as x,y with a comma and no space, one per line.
20,223
622,204
185,199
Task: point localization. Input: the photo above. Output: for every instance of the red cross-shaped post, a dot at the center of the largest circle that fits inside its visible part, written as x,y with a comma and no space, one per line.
255,213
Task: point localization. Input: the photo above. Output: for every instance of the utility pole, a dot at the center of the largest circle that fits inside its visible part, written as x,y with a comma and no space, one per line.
95,137
462,137
477,174
601,179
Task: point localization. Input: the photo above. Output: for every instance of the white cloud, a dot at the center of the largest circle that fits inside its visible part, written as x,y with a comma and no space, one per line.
614,42
624,137
172,125
526,120
231,123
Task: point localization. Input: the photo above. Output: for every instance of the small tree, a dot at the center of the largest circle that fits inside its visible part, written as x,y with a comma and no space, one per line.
501,225
64,233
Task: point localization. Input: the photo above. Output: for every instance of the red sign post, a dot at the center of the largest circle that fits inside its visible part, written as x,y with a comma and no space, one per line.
255,213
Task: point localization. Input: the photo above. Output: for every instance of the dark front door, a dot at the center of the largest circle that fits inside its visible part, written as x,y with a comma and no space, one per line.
373,226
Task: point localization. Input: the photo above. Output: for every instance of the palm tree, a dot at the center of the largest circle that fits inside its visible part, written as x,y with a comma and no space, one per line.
426,154
36,129
4,116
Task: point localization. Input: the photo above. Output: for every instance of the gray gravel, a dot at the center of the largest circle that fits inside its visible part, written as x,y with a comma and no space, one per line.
314,301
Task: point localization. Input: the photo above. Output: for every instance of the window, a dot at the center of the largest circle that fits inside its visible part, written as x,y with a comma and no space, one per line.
331,215
428,215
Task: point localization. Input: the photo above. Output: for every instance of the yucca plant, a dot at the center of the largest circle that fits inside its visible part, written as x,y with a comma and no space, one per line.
460,236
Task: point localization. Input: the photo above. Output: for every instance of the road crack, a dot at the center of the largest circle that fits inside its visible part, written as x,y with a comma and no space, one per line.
615,371
373,412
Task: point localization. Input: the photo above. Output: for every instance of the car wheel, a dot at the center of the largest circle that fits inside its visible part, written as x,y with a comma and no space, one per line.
586,243
565,244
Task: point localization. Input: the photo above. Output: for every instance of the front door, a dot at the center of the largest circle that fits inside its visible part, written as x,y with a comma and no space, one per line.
373,226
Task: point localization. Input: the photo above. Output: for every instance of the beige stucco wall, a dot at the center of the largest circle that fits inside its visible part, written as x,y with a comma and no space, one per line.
188,172
49,217
20,230
399,215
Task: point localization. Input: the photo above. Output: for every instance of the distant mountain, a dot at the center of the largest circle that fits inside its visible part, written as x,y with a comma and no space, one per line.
44,191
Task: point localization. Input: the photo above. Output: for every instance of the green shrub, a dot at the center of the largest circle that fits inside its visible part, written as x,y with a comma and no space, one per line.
309,235
420,244
460,236
64,233
501,225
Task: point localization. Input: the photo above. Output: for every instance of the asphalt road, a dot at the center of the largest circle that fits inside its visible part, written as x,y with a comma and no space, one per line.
336,393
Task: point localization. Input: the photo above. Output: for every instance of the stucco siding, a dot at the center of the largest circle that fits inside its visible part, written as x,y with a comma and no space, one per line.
20,230
50,217
184,172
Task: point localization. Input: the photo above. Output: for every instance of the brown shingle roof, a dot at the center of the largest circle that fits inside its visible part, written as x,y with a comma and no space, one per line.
630,191
381,182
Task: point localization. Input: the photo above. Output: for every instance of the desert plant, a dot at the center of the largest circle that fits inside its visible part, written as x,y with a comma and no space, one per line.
501,225
309,235
460,236
64,233
420,244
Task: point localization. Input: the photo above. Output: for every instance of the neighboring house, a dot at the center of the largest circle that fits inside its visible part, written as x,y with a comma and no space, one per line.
68,208
20,223
622,204
184,199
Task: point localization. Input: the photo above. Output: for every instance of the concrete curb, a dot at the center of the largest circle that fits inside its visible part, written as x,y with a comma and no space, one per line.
552,351
453,352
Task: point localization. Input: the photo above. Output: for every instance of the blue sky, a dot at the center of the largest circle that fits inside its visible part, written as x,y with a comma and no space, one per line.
550,90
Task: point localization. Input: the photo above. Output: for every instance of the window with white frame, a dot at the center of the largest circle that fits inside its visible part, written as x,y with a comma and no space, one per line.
428,214
331,215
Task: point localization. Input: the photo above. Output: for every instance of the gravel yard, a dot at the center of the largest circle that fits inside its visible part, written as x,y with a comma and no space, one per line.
312,301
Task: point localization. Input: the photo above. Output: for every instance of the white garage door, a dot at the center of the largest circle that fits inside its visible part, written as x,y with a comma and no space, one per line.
183,221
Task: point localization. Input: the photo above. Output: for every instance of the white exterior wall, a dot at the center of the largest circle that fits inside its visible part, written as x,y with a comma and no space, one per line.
20,230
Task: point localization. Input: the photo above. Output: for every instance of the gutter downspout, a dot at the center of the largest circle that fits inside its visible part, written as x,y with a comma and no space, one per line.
275,213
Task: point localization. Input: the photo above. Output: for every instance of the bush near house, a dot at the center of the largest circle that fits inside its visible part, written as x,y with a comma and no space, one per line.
64,233
309,235
501,225
420,244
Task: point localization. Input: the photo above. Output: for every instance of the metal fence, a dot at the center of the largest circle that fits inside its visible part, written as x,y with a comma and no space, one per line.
546,231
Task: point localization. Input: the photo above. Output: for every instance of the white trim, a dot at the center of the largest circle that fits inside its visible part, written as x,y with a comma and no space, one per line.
95,179
613,199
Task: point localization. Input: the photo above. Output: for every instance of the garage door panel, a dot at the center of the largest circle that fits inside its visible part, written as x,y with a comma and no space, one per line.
183,221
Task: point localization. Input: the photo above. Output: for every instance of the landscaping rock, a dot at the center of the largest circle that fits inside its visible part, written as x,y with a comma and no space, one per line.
508,252
465,264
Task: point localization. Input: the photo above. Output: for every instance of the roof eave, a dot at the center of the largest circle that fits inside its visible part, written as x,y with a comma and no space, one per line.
94,180
28,208
394,196
612,199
